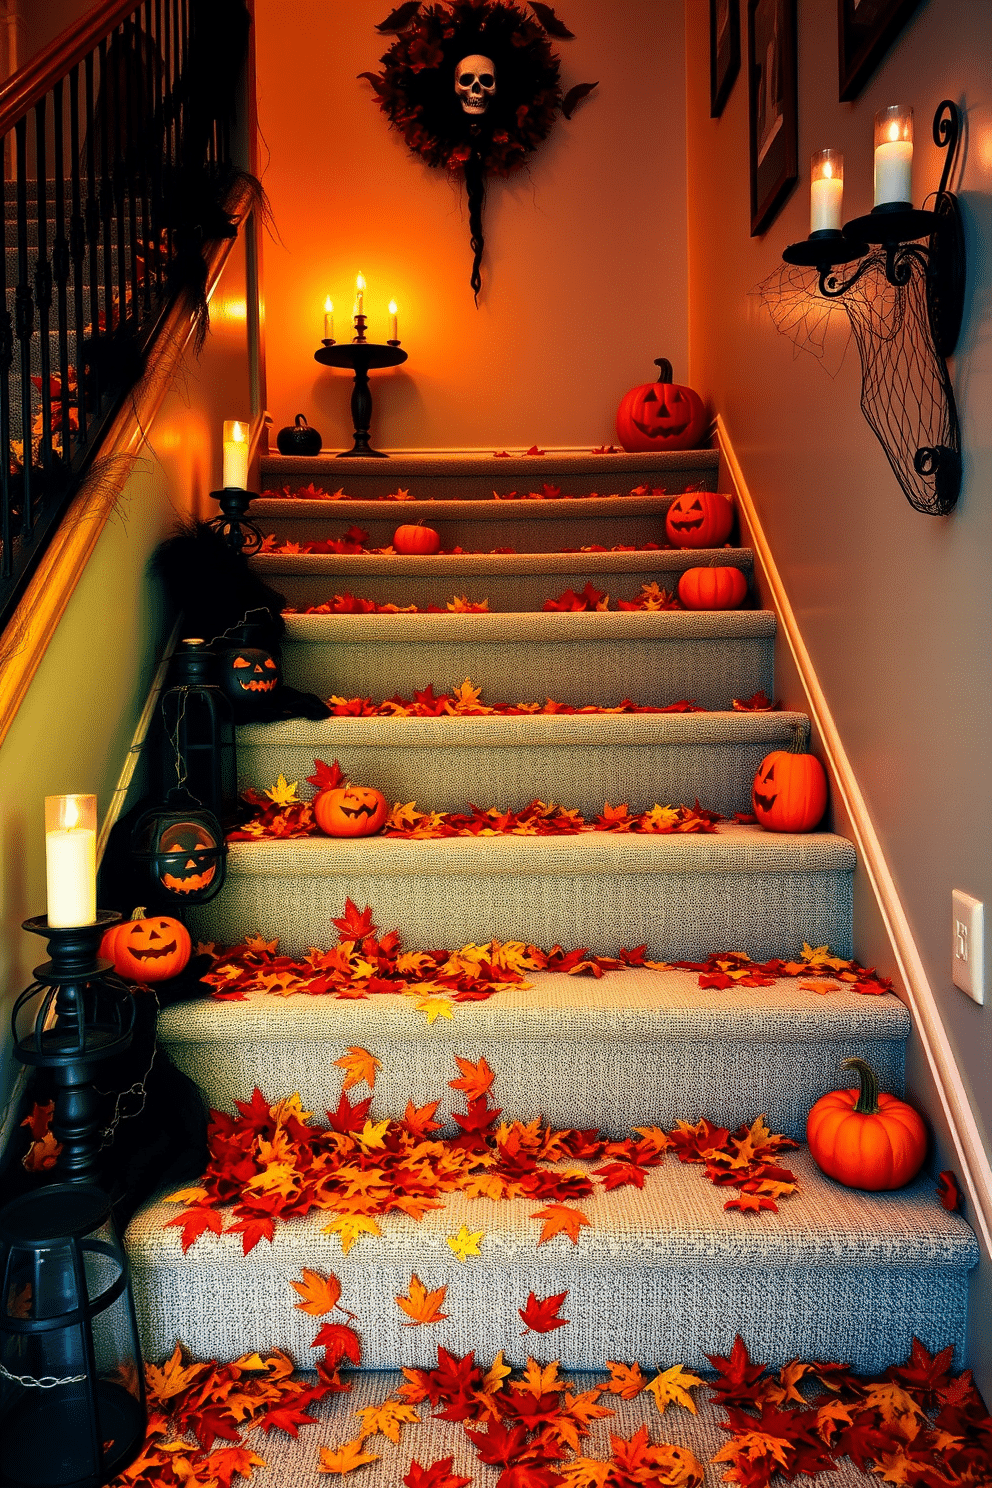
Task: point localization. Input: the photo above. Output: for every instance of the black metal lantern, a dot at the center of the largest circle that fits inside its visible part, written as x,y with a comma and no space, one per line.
200,750
182,848
72,1392
73,1017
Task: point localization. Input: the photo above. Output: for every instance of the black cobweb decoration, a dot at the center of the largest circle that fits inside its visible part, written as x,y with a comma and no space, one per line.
906,395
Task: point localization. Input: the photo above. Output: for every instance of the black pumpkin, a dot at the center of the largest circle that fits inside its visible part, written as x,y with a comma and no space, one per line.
249,672
298,438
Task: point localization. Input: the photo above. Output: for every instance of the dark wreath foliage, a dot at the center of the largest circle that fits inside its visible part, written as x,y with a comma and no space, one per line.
416,91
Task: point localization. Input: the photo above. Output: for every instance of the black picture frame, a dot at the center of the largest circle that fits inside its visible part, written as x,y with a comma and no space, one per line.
773,133
725,51
866,30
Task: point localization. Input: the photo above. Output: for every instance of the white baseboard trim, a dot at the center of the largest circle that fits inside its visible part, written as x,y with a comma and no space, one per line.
971,1158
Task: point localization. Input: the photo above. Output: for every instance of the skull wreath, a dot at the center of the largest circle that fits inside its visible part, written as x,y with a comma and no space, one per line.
474,86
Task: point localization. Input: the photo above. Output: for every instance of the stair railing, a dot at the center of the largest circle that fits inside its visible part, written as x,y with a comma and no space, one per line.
110,134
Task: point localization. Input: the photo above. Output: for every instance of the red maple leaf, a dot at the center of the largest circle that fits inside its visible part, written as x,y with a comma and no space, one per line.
348,1117
738,1376
352,925
924,1375
194,1222
947,1190
438,1475
540,1313
620,1175
252,1230
256,1112
286,1418
339,1342
499,1445
326,777
209,1424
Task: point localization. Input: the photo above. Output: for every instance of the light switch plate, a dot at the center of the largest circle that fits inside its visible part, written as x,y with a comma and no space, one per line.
968,945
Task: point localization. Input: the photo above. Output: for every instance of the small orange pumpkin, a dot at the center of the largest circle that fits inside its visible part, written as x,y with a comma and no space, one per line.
865,1138
789,793
712,588
661,415
147,948
350,811
414,537
699,519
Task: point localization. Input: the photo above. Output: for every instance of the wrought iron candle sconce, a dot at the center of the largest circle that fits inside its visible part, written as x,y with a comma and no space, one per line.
233,525
904,299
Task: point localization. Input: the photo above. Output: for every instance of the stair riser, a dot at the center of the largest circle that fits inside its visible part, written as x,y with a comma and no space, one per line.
614,1084
445,779
679,915
710,671
866,1316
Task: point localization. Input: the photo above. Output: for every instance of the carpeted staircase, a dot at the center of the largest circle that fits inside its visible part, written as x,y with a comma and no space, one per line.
663,1274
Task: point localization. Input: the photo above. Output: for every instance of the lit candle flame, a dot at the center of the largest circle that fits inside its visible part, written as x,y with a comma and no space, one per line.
893,131
328,307
238,433
360,283
828,171
392,307
71,813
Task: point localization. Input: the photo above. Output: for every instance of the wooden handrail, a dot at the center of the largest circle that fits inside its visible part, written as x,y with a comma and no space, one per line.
31,82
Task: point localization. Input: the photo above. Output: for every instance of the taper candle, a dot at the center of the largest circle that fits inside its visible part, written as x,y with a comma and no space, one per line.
393,333
328,320
360,295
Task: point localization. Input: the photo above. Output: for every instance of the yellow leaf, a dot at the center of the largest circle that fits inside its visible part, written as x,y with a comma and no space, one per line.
386,1418
345,1459
753,1445
186,1196
283,793
542,1379
496,1374
359,1065
290,1106
373,1134
586,1472
421,1305
435,1007
348,1228
673,1385
173,1377
465,1243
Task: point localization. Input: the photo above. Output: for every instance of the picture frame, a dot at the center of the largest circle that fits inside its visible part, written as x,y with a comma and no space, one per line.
773,133
866,29
725,51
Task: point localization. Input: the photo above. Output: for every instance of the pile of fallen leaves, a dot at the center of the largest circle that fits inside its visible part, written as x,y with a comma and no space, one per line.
361,965
271,1163
825,973
354,540
546,493
651,597
280,813
466,701
353,604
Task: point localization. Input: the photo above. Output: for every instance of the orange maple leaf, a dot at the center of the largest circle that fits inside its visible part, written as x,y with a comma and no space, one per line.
360,1065
320,1293
422,1306
558,1219
476,1079
346,1458
626,1380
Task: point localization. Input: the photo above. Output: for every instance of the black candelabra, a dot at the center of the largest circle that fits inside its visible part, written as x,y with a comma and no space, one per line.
361,356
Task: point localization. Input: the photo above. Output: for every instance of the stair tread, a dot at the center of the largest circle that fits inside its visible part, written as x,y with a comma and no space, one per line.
539,625
490,565
553,462
732,848
677,1218
644,1003
450,507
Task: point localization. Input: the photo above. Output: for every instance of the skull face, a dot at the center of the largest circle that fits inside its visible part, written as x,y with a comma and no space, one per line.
475,83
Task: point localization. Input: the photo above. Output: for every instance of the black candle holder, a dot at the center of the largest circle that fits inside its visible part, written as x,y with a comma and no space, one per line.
76,1014
232,524
361,321
360,357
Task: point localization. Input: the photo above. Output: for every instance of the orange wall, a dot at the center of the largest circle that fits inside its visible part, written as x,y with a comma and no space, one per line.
895,607
585,267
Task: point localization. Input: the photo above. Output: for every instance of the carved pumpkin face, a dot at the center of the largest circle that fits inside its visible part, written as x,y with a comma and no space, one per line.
148,950
350,811
189,869
699,519
661,415
249,671
789,793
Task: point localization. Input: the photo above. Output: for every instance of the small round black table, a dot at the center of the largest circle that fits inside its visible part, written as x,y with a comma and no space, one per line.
359,357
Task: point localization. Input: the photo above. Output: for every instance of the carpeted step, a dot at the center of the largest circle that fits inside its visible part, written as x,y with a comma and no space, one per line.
527,526
509,581
664,1274
576,761
474,475
652,658
683,896
633,1048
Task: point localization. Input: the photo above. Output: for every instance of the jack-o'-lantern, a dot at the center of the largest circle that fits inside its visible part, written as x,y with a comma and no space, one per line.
699,519
183,849
789,793
147,948
249,672
350,811
188,870
661,415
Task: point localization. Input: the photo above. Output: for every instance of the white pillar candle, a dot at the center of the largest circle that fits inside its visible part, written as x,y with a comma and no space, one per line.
328,320
70,859
235,454
393,333
894,155
360,295
826,191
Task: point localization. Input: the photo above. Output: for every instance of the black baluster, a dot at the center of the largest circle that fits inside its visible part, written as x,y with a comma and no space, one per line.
6,362
77,250
132,114
60,266
43,286
146,114
106,196
167,114
117,105
94,389
24,320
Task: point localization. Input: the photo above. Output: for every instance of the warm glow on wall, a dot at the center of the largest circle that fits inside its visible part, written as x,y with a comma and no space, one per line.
234,309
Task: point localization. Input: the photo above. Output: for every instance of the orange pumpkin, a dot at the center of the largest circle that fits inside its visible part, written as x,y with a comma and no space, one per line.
414,537
865,1138
350,811
147,949
699,519
661,415
712,588
789,793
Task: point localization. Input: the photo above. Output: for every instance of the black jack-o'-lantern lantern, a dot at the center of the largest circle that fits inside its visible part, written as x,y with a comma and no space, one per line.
251,676
183,849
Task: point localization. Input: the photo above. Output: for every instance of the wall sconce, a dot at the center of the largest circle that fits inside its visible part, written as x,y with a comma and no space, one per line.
904,299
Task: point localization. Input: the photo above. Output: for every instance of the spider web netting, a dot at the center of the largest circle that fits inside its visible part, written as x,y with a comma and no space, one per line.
906,393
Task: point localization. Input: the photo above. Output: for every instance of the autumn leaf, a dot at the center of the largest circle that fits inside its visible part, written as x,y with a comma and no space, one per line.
349,1228
386,1419
947,1190
558,1219
360,1066
194,1222
476,1079
283,793
352,925
327,777
672,1386
173,1377
345,1459
575,96
541,1313
320,1293
422,1306
338,1342
626,1380
465,1243
438,1475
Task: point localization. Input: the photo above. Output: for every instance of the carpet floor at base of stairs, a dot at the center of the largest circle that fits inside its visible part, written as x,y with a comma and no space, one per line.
294,1463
